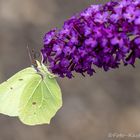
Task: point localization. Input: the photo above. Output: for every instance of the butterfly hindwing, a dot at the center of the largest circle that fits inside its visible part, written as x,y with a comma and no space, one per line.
11,90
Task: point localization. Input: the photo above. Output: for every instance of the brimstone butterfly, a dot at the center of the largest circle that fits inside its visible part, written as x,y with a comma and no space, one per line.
32,94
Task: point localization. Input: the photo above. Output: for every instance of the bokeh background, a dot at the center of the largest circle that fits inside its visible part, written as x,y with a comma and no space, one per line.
93,106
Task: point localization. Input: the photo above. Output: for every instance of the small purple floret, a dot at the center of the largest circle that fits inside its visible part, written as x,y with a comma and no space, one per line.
101,36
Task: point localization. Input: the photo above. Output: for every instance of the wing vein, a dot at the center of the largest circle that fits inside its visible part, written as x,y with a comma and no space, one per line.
32,93
49,89
42,97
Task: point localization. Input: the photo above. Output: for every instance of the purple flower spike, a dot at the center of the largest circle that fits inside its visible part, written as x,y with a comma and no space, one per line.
101,36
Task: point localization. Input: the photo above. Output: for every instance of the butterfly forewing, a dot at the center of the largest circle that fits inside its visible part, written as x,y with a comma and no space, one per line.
39,103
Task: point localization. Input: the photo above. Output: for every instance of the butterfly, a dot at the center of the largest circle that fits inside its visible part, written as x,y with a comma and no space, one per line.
32,94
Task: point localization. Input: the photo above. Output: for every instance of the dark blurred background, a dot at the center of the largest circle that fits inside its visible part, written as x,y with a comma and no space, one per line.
93,106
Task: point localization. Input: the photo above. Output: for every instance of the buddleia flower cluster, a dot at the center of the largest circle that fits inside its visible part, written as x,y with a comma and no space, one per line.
102,36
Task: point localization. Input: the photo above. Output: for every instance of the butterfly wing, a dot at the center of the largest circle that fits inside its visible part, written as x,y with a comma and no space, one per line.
40,101
11,90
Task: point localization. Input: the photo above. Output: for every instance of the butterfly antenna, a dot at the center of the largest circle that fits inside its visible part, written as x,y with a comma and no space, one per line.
29,53
32,60
41,58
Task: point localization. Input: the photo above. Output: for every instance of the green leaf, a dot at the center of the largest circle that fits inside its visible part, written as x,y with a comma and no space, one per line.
33,96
